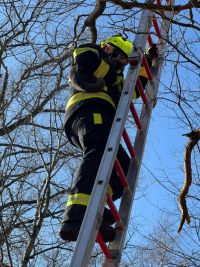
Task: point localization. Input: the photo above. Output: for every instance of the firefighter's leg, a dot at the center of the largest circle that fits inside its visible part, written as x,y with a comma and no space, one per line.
92,127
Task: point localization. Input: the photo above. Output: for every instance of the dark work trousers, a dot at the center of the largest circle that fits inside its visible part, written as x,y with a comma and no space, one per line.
91,137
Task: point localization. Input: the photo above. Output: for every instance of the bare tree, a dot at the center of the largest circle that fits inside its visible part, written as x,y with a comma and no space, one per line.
37,163
34,151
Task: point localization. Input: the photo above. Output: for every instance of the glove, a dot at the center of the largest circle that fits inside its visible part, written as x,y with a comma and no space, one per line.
85,82
152,51
115,63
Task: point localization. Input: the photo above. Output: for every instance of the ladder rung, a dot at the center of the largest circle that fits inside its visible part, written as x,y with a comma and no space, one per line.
128,143
115,212
120,173
155,24
141,91
147,69
135,116
150,41
103,246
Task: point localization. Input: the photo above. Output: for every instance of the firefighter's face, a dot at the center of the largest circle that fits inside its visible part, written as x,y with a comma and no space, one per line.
115,53
109,49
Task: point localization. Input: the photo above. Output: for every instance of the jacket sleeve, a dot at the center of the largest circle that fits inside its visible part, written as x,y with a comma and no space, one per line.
91,59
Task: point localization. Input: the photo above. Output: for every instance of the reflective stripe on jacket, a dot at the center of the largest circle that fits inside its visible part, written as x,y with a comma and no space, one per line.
81,96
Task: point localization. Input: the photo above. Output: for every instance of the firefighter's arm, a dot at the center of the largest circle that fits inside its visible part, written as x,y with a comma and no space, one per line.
90,71
86,57
89,59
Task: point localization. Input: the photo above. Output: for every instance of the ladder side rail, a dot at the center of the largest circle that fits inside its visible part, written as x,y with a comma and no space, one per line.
126,204
116,246
93,215
164,30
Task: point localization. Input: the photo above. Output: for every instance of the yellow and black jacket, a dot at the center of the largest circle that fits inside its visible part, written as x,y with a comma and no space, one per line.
92,61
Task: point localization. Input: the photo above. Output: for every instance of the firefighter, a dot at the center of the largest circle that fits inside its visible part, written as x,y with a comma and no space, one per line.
97,81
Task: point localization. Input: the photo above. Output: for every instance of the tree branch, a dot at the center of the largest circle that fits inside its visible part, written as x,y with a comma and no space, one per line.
194,137
91,19
153,7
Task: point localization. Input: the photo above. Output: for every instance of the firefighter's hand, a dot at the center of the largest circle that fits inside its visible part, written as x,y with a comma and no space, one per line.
152,51
116,64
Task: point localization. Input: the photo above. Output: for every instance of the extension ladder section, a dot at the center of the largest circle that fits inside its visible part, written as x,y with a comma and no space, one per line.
100,196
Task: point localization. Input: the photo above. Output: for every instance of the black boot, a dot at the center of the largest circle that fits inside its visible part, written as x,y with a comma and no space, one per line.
70,230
